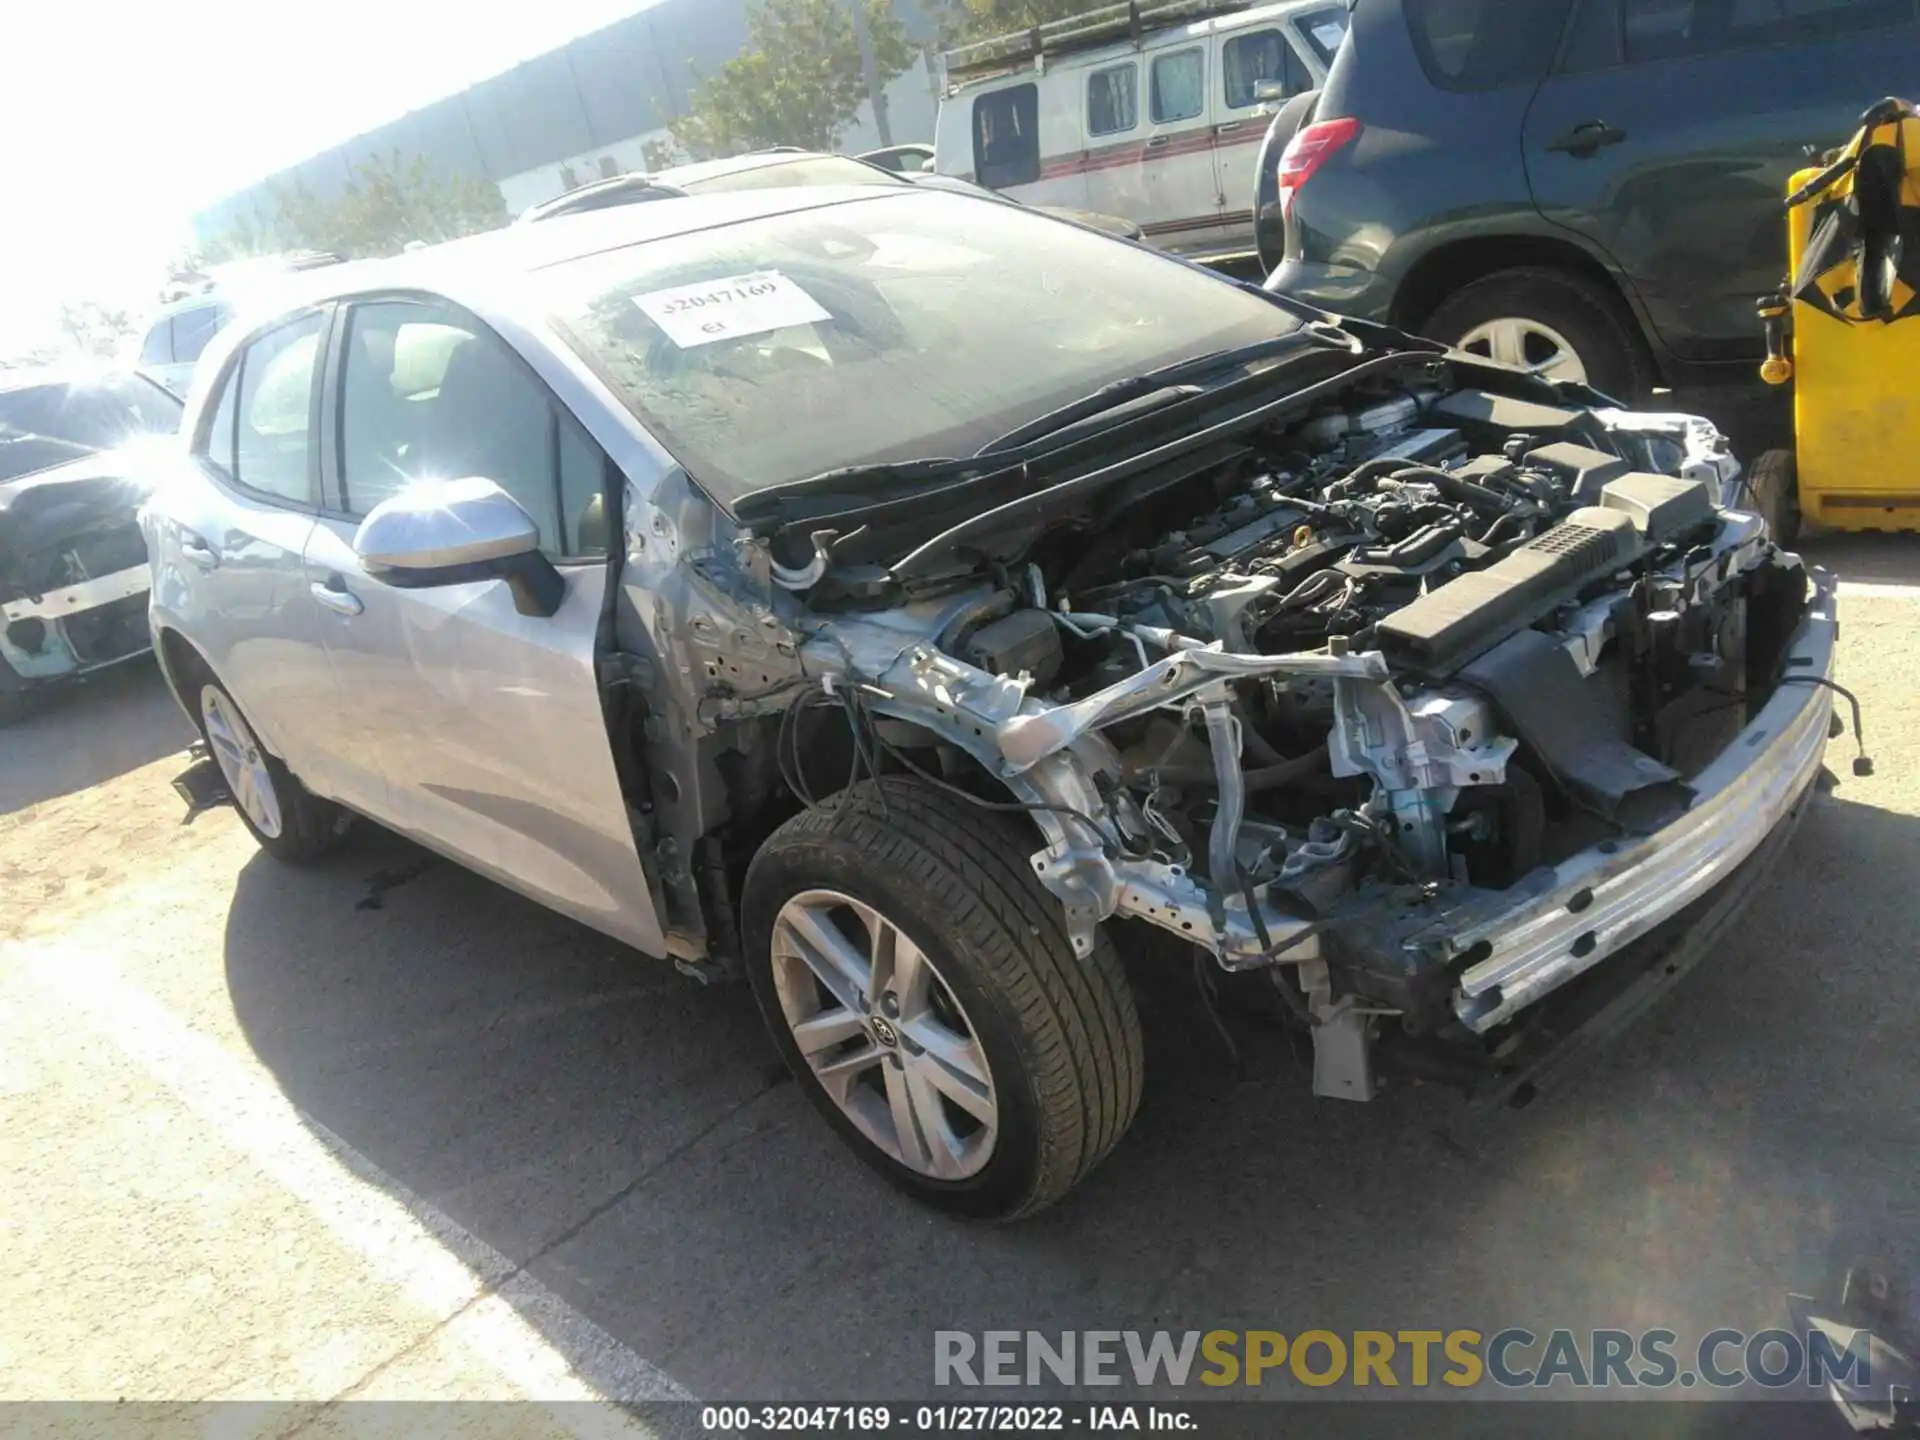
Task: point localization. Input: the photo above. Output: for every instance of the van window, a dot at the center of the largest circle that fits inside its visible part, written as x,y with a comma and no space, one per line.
1324,29
1179,86
1484,44
1113,99
1262,55
1006,137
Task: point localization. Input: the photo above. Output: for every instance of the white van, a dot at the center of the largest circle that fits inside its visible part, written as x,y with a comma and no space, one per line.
1155,112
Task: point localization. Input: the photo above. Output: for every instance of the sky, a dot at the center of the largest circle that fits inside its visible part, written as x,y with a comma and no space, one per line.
119,119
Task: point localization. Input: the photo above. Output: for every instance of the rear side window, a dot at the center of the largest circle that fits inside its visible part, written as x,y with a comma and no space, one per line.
158,349
1248,60
1178,86
219,442
1006,137
1113,99
1664,29
1484,44
273,429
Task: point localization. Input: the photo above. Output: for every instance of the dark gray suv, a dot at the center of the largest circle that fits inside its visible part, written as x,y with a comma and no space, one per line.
1591,188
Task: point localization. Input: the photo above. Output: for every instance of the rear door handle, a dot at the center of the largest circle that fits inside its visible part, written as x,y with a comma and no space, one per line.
1586,139
197,552
1158,141
333,593
1229,127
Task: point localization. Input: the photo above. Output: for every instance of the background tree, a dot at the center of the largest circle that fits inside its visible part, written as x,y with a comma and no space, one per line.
799,80
385,204
965,20
95,330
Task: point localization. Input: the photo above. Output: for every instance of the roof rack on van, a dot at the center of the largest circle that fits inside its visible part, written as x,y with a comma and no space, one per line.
1108,25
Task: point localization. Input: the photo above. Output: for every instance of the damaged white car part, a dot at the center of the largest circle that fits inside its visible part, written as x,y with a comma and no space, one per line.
77,456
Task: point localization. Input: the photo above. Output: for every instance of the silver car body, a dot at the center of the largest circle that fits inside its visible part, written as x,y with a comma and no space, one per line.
483,733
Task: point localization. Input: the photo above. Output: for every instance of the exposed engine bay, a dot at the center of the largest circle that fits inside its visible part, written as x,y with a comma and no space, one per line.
1349,702
73,570
1562,619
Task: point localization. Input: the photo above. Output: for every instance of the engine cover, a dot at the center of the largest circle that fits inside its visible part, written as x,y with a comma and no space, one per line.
1447,627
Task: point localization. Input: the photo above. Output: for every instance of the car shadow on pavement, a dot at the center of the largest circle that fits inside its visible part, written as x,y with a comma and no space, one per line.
81,735
625,1135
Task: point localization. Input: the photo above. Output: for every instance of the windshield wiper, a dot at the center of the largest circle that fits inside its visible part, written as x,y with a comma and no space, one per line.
863,485
857,483
1172,381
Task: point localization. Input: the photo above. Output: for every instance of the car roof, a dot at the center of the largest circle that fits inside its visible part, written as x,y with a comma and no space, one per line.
683,180
701,170
523,249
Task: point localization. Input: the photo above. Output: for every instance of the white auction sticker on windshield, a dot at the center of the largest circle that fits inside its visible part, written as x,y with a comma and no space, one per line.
756,304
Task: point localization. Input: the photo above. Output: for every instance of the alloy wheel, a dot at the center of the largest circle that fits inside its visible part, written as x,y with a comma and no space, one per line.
884,1034
1527,345
241,761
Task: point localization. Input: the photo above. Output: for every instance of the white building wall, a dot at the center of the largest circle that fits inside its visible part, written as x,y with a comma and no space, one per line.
912,103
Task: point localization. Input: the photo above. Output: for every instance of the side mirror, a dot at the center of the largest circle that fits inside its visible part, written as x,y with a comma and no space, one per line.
454,532
1269,92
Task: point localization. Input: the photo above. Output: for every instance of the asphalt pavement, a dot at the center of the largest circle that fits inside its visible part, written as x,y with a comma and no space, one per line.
382,1128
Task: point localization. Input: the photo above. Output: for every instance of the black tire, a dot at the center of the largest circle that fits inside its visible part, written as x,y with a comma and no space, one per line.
1269,228
1061,1034
310,828
1600,330
18,698
1773,481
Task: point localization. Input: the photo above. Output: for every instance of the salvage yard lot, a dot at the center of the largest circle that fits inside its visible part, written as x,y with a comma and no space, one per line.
221,1075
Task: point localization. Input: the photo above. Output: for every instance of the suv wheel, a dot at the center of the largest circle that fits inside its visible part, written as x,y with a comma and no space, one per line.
920,986
1774,483
1559,325
289,821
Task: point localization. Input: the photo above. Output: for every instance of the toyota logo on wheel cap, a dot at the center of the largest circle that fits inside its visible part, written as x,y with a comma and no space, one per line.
883,1031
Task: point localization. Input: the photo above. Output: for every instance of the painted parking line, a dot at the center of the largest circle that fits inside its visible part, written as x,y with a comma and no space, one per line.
500,1313
1879,590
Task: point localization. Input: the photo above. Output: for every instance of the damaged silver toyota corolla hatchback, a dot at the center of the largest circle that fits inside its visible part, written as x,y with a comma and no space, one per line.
907,601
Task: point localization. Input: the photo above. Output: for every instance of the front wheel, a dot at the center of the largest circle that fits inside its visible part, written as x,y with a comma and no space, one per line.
289,822
920,985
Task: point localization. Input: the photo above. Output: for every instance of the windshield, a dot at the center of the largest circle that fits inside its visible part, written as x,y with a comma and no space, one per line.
866,333
82,416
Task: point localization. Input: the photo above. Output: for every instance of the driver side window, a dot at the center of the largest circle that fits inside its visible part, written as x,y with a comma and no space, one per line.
428,394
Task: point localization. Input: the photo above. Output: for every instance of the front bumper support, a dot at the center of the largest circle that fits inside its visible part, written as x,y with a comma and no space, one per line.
76,599
1603,899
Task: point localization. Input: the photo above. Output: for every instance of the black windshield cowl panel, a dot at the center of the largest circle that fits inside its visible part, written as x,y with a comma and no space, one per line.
903,509
1170,379
1060,498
